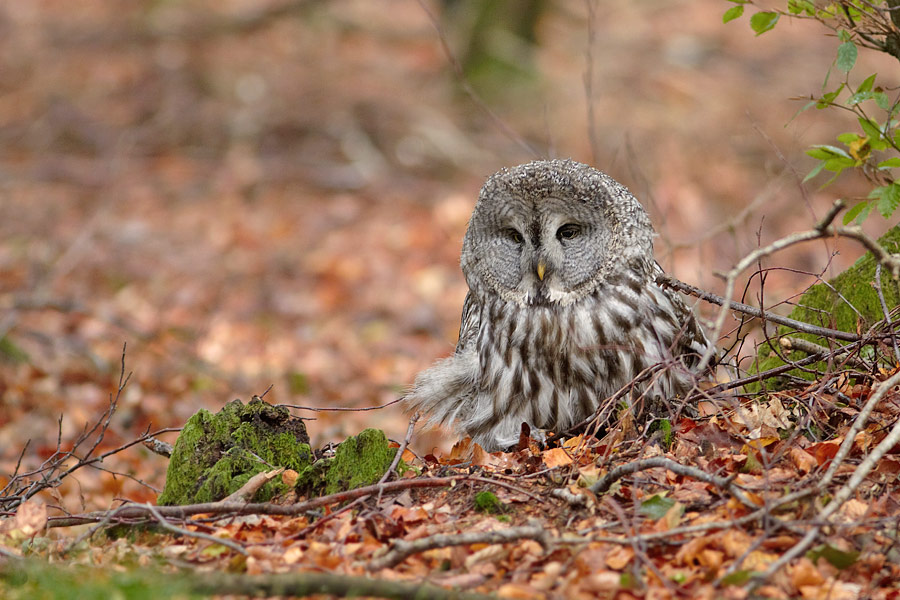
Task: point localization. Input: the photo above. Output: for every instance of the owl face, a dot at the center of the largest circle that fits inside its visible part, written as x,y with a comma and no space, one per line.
550,236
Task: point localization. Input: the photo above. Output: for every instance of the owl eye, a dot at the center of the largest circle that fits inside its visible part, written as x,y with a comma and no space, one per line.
514,235
568,231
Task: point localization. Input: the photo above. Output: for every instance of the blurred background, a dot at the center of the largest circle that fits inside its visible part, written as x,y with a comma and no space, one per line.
273,193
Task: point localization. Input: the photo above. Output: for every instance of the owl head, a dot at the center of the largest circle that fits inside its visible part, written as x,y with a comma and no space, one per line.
553,231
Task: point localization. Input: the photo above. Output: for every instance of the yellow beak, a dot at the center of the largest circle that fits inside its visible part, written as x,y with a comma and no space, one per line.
541,269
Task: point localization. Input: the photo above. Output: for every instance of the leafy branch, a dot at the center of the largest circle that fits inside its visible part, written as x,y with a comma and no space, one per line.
874,150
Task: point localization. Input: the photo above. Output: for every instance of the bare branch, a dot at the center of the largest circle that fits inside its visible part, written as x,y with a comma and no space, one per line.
822,229
401,549
675,284
196,534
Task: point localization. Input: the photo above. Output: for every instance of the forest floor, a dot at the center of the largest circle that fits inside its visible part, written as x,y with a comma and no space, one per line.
257,196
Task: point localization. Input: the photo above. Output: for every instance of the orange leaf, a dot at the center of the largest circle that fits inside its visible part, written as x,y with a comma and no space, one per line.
618,559
825,451
556,457
803,460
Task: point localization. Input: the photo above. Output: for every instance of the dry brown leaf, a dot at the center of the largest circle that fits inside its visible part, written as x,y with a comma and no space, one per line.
692,493
548,577
735,542
293,554
854,510
803,460
825,451
556,457
31,518
519,591
604,582
805,573
619,558
413,514
832,590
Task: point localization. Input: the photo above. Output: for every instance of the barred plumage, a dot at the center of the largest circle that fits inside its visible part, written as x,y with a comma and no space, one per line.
563,309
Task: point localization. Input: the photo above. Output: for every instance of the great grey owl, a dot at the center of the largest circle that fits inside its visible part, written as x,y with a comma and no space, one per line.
563,309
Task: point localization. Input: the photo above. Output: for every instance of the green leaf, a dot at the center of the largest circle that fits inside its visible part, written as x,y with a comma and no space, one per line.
825,152
870,127
836,165
866,85
762,22
882,100
795,7
826,99
837,558
814,172
889,163
846,56
859,97
887,199
738,577
843,36
856,211
846,138
657,506
11,352
733,13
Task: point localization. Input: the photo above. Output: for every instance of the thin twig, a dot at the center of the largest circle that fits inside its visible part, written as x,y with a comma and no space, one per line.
400,450
339,408
195,534
604,483
822,229
849,488
675,284
884,309
858,424
795,343
401,549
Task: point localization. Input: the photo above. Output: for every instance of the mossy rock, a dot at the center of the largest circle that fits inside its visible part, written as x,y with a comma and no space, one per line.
216,454
849,302
358,461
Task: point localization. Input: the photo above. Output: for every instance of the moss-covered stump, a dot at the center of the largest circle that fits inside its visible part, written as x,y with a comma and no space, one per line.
357,462
216,454
849,302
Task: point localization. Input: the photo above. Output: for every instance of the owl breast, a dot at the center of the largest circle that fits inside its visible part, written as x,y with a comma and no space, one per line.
551,365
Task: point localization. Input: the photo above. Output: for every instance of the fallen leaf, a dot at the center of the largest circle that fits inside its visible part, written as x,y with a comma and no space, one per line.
31,517
805,573
556,457
619,558
803,460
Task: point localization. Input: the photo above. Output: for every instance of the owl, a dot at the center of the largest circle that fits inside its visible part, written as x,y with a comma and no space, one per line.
562,312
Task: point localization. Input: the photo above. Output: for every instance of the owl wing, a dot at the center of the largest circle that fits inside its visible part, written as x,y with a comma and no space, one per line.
469,323
691,339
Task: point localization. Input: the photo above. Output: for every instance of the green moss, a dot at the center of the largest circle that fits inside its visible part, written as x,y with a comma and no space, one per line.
487,502
11,352
848,302
216,454
359,461
33,580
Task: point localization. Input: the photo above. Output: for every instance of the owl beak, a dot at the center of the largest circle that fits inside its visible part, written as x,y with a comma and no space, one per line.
541,269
